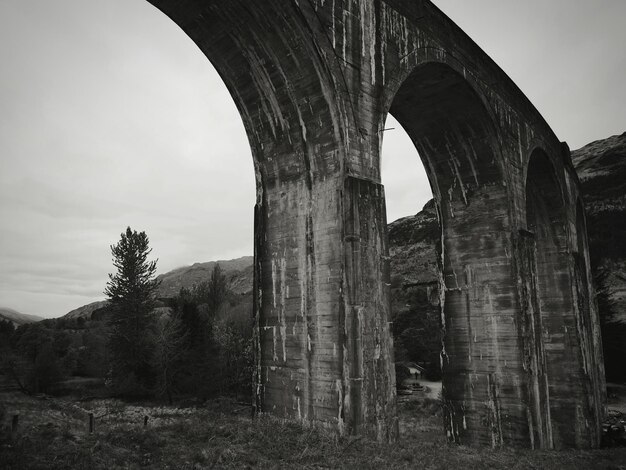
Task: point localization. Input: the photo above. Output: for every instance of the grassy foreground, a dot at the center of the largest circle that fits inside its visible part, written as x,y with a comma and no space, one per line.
53,434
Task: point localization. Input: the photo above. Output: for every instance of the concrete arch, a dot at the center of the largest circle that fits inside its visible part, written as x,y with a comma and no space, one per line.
313,81
545,192
546,225
457,140
263,54
452,130
557,331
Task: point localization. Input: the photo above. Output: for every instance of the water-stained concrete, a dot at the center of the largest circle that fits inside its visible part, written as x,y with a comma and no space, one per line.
314,81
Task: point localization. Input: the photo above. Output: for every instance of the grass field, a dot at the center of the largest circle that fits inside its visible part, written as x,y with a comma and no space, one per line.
53,434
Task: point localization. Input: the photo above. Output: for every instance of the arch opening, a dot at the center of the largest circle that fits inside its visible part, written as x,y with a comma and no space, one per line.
451,130
559,323
414,237
545,222
545,216
457,142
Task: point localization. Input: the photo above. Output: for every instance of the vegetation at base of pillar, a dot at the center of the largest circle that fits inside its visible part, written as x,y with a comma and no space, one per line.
132,291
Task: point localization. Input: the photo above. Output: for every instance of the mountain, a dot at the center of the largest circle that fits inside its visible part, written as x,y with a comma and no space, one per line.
601,167
602,161
238,273
413,248
86,311
16,317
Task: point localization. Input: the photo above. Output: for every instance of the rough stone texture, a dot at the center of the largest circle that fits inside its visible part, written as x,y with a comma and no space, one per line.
601,167
413,243
314,81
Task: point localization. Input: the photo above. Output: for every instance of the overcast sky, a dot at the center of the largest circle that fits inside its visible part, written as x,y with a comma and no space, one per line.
110,116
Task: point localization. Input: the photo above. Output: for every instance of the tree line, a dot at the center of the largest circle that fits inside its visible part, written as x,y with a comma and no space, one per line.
140,346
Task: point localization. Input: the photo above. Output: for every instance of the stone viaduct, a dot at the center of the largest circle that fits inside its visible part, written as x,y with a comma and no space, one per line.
314,81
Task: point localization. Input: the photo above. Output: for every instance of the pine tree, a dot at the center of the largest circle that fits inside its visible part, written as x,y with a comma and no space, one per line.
170,353
131,291
217,289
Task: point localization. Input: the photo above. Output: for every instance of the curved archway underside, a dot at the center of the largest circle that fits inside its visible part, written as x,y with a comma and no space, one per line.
313,81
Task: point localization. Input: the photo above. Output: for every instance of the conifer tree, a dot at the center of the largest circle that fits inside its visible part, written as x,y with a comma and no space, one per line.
131,291
217,289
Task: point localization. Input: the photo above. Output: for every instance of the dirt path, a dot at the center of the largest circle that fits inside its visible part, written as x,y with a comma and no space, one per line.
616,399
433,389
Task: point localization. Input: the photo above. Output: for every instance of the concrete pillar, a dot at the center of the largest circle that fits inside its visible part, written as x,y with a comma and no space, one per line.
325,352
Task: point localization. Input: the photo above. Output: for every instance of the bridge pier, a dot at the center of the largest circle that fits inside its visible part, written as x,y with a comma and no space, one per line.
324,346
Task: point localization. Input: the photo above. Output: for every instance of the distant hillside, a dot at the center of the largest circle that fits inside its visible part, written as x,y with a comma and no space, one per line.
412,247
86,310
601,167
603,161
16,317
238,273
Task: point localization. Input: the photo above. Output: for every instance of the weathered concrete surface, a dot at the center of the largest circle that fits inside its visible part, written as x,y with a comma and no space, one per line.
314,81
